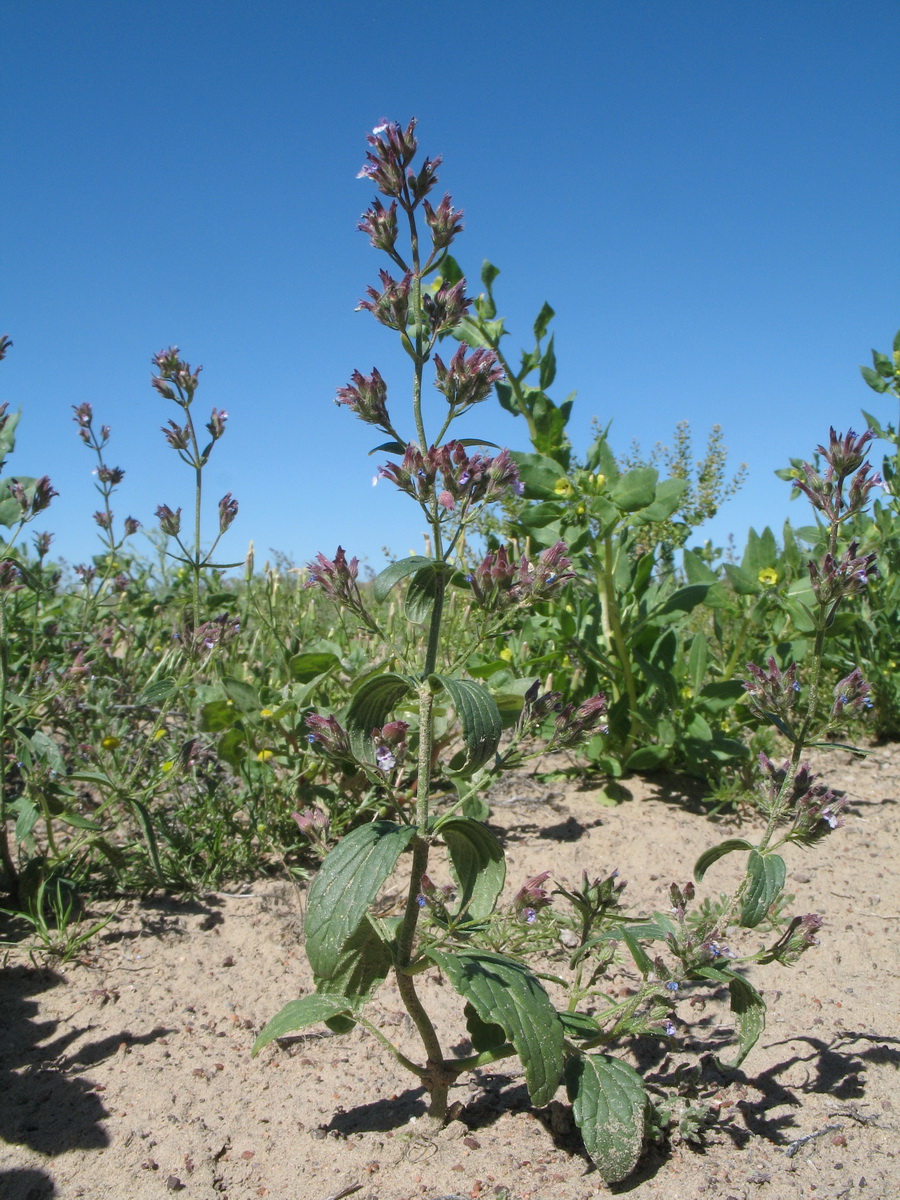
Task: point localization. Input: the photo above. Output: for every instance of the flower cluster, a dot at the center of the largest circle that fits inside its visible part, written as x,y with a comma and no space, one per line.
844,456
464,478
217,632
42,492
573,724
799,936
773,691
851,696
530,898
391,746
366,395
499,582
814,809
467,381
329,737
847,576
391,150
336,577
176,380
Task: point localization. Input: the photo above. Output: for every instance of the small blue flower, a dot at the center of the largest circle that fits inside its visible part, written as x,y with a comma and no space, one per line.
669,1027
420,900
671,986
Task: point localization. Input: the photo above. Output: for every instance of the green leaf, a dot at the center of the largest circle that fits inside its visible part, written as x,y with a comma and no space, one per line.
742,581
479,717
708,857
146,824
26,819
542,321
539,474
873,423
685,599
780,724
538,516
722,694
646,758
635,489
609,1104
8,434
309,666
299,1014
158,692
696,570
488,273
477,863
548,366
697,660
216,716
505,993
748,1007
360,967
347,883
244,695
10,510
232,747
46,750
421,594
578,1025
669,495
370,707
388,448
641,959
391,575
766,872
485,1035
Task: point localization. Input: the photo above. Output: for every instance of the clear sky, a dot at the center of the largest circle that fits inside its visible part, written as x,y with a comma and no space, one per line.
706,192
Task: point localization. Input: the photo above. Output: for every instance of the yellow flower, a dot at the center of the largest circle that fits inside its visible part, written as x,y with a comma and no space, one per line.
562,487
159,735
110,743
506,654
265,713
167,766
768,577
265,755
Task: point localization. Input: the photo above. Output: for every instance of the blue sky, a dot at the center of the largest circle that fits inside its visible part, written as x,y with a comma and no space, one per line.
705,192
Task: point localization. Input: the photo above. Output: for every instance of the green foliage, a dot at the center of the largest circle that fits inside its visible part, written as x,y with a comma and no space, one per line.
158,720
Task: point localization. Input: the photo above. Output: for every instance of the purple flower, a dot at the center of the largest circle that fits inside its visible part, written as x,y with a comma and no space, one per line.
228,510
380,224
174,370
216,423
169,522
444,221
467,381
530,897
390,306
366,395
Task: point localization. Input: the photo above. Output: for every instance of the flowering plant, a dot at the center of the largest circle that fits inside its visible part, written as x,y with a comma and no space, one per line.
461,929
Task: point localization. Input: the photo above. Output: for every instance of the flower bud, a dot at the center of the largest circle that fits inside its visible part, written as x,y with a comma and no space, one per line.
228,510
169,522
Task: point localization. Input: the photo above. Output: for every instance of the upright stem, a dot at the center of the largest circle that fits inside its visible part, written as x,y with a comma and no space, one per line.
9,867
611,608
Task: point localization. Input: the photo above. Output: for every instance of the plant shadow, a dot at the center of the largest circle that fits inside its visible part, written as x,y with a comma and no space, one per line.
48,1105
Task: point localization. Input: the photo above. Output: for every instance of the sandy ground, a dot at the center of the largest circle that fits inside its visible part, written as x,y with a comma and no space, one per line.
128,1075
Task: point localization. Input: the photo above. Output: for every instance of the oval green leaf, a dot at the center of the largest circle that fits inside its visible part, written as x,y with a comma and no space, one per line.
609,1105
347,883
767,873
505,993
706,860
479,717
299,1014
477,863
